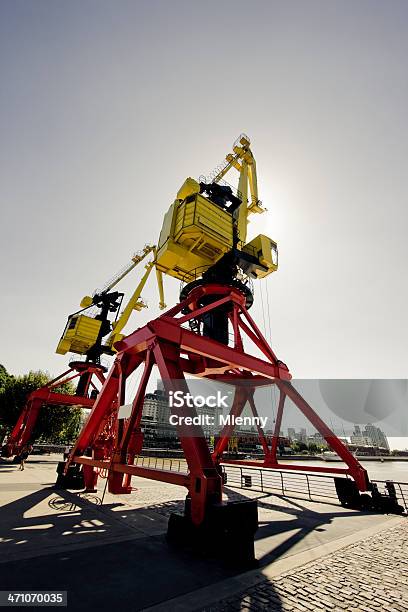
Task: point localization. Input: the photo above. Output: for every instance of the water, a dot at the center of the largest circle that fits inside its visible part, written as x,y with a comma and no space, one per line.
387,470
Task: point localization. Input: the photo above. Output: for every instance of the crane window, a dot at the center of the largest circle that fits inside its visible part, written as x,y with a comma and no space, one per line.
72,323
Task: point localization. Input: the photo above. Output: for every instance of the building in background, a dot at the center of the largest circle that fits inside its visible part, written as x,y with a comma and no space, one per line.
296,436
358,438
156,414
369,436
291,434
156,407
376,436
317,439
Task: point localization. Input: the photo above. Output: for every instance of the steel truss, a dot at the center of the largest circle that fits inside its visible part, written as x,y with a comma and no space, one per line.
178,351
84,372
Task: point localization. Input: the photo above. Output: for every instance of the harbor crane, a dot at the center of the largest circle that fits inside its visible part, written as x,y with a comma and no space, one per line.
209,334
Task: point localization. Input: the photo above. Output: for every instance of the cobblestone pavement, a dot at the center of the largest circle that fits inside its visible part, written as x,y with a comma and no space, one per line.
369,576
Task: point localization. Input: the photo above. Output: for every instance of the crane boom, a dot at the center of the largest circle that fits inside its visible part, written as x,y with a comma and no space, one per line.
203,238
136,259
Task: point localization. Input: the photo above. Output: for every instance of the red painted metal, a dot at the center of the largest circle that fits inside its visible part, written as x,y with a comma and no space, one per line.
178,478
355,469
177,351
23,429
270,458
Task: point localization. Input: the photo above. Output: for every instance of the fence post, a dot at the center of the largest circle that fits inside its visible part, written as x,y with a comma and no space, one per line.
308,486
402,495
282,485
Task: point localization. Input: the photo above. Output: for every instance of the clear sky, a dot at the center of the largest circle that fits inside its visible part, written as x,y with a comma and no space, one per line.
105,109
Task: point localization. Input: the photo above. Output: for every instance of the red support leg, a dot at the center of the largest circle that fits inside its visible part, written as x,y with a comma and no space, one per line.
46,395
271,459
101,409
24,427
261,434
240,399
355,469
131,437
205,481
234,318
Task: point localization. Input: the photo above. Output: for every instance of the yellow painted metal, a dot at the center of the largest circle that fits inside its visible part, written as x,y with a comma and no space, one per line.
81,331
134,303
136,259
79,335
86,301
243,160
195,235
188,188
159,278
266,251
243,209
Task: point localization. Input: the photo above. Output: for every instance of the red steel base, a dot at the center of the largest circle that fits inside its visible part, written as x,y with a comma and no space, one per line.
23,429
109,444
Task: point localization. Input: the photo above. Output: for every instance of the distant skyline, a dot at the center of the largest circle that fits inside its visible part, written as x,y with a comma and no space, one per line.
105,109
342,404
395,443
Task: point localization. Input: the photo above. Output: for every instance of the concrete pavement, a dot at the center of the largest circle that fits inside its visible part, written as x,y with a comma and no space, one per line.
116,552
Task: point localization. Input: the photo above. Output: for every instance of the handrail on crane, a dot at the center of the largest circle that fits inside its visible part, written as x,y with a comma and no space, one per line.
137,258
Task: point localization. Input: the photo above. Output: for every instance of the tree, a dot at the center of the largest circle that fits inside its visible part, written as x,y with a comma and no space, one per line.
313,448
58,424
4,378
299,447
55,423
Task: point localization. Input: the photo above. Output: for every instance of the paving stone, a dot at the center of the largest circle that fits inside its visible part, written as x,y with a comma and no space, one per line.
367,576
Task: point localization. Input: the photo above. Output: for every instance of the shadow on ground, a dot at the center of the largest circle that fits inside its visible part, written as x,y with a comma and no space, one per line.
116,556
138,571
298,521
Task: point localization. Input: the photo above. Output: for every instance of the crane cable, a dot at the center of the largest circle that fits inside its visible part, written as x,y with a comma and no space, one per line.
268,312
273,398
273,387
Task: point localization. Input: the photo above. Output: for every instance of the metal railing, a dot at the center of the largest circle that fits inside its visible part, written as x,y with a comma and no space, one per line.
315,487
162,463
282,482
401,490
